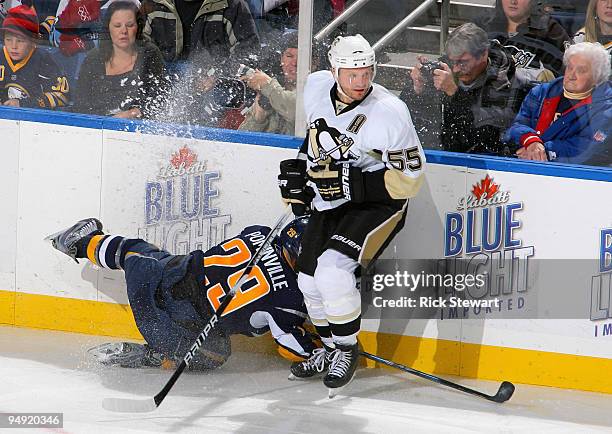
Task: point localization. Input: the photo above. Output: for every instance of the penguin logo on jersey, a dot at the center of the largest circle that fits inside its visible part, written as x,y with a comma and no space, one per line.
327,143
522,58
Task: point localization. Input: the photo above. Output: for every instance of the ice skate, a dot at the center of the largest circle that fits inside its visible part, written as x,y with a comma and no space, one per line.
126,355
342,368
66,241
316,365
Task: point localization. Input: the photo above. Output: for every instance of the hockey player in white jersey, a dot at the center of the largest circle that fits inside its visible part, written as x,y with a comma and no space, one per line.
360,163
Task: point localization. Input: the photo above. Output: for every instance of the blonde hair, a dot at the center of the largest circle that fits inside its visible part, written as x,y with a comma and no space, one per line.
590,23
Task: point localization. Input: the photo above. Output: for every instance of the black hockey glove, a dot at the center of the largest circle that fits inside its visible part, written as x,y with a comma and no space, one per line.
292,183
338,181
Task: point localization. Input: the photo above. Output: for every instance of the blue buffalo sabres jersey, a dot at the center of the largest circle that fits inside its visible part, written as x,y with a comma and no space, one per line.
271,288
174,297
36,81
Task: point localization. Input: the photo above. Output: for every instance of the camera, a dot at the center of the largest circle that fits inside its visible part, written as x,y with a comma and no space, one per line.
251,94
264,102
232,93
427,70
229,93
245,70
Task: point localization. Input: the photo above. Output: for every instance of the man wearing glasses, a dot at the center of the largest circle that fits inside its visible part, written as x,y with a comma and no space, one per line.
470,96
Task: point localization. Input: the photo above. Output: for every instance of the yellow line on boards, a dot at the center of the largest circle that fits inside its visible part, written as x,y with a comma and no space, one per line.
490,362
7,307
437,356
70,314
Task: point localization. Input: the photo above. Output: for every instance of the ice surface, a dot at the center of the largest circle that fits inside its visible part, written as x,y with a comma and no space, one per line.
46,371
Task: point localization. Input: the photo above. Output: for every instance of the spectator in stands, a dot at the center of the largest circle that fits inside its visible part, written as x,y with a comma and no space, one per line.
77,22
71,25
124,77
598,24
274,108
535,40
3,9
203,40
29,77
284,14
569,119
219,30
470,98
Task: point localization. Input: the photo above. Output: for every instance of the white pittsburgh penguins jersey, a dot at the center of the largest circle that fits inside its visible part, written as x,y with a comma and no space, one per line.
373,134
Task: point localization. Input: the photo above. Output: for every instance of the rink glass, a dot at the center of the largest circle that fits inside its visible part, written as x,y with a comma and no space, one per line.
373,20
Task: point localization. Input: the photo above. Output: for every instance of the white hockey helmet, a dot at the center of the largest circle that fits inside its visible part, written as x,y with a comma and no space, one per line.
351,52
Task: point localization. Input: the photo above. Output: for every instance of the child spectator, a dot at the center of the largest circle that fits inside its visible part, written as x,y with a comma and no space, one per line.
29,77
124,77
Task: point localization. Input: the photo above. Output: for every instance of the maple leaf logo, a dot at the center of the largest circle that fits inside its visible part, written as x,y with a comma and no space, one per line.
485,189
184,157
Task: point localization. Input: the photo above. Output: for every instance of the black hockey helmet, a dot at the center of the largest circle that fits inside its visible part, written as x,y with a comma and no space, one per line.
289,240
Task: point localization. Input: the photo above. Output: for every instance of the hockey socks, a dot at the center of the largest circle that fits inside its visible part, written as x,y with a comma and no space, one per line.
107,251
325,334
346,340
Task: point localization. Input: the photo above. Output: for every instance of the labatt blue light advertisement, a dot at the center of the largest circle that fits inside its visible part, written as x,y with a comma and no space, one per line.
180,214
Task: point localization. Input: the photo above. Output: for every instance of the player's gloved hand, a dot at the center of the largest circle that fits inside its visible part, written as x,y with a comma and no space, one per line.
292,183
338,181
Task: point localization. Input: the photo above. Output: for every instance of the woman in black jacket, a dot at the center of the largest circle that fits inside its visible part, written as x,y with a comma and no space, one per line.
124,77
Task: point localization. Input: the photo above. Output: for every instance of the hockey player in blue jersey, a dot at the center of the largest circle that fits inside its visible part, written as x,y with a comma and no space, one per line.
172,297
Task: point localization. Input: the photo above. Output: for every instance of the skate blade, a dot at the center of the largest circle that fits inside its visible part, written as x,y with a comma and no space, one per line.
103,353
51,239
53,235
292,377
107,346
336,391
332,392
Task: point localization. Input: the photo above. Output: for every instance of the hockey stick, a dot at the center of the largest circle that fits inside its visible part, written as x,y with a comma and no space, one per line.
504,393
150,404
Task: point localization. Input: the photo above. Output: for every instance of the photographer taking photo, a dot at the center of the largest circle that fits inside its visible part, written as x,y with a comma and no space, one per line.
470,96
273,110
